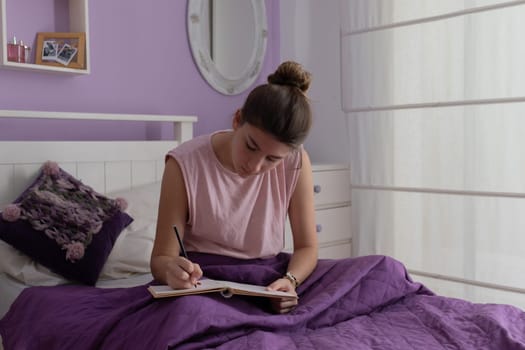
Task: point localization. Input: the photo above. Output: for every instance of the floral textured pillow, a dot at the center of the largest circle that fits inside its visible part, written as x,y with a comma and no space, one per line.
64,225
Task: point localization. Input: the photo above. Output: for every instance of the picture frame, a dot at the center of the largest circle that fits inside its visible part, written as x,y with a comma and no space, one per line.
66,54
59,49
49,50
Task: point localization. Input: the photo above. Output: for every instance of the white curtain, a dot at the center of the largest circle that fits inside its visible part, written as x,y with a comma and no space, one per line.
434,93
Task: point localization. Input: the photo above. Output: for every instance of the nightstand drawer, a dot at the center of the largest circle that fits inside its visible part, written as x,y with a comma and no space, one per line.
339,251
332,211
333,224
331,187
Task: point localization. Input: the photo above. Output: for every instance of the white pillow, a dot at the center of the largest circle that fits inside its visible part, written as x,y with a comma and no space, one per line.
24,269
132,250
130,254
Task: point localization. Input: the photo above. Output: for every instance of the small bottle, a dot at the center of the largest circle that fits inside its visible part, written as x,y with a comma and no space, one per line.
13,51
21,52
27,53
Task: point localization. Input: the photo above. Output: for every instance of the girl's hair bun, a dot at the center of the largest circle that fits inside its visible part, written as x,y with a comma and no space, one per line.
292,74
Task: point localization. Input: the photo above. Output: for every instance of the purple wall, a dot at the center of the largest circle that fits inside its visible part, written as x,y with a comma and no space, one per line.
141,63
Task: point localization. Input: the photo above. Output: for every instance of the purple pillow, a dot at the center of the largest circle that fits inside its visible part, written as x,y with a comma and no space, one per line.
64,225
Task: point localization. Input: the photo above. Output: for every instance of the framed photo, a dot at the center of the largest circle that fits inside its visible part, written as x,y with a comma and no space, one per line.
61,49
66,54
49,50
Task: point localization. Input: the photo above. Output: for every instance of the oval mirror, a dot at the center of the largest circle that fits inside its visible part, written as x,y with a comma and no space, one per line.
228,41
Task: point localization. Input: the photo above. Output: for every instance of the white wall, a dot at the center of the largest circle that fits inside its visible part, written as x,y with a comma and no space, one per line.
310,36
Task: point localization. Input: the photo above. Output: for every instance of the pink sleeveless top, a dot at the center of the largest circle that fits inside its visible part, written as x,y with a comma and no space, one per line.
231,215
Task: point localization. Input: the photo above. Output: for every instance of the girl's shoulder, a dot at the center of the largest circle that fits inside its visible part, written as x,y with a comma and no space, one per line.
198,144
294,159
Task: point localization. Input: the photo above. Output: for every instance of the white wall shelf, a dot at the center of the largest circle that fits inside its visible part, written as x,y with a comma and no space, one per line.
78,22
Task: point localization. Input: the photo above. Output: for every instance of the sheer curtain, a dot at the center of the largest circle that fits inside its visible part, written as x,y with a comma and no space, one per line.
434,93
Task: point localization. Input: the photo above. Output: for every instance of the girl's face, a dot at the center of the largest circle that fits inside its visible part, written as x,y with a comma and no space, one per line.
255,151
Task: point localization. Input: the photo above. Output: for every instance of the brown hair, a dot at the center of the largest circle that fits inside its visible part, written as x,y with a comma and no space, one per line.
281,107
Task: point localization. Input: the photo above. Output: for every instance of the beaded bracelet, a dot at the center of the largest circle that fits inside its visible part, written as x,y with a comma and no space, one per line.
289,276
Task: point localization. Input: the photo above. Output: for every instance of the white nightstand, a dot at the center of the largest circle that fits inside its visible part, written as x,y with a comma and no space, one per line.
332,211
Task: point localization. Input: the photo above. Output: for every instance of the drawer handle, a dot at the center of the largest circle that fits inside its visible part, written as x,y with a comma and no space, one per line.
317,188
318,228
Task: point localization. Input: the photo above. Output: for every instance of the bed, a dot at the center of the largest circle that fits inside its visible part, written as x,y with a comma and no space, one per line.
367,302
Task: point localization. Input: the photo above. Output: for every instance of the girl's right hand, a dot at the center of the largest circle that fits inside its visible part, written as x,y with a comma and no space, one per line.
181,273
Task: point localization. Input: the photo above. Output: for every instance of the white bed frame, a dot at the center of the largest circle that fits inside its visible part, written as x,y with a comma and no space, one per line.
104,165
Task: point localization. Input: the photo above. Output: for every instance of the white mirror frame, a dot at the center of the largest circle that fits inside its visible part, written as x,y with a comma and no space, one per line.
201,53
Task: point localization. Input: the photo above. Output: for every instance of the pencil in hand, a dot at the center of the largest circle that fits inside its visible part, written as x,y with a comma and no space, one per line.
181,245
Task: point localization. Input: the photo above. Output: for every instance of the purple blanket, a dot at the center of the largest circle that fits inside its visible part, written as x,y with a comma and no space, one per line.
361,303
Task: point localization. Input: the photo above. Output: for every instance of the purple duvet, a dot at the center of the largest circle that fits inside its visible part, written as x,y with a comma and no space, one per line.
361,303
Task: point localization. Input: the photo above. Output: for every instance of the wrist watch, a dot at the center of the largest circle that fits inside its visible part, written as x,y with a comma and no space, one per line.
289,276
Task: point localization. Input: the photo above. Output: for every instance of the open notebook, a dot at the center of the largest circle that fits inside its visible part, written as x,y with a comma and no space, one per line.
226,288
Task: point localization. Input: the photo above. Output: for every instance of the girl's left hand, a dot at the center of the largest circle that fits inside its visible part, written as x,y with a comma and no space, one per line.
283,305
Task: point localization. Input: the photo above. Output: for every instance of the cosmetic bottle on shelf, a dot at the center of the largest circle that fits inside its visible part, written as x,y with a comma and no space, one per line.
13,51
16,51
22,52
27,54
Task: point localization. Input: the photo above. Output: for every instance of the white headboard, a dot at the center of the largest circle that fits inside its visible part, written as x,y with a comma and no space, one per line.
104,165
